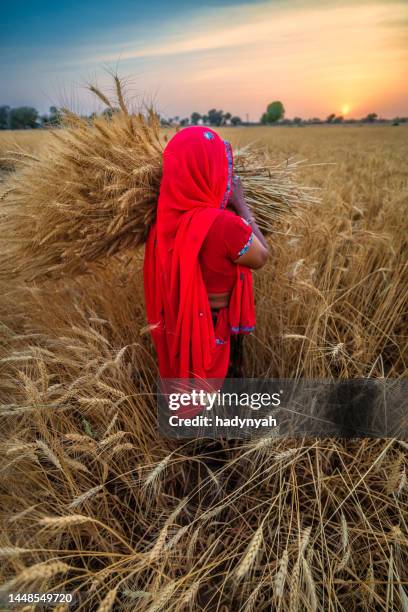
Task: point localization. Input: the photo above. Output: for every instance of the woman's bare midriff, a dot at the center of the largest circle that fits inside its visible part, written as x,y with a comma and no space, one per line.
218,300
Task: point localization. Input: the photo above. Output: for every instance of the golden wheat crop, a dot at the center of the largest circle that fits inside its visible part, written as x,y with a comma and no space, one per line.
94,500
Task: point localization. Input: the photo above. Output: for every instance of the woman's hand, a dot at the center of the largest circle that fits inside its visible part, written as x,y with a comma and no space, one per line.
238,203
237,191
237,198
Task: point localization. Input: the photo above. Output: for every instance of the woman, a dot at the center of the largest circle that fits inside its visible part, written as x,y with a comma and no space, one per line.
197,277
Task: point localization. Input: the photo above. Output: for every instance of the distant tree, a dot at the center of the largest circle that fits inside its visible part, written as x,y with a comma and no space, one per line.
297,120
275,111
4,117
195,118
315,120
205,119
215,117
235,120
184,121
226,117
54,116
330,118
338,119
23,117
108,112
371,118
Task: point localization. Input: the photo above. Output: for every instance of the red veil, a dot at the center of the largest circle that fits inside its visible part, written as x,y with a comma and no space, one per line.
195,187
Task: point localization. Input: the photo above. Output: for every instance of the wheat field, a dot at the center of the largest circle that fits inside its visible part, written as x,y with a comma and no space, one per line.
93,501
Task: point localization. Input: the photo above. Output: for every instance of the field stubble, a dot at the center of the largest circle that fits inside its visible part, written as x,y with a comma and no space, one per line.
143,523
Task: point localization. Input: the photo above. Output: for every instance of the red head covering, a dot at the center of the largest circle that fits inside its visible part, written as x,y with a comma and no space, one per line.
195,187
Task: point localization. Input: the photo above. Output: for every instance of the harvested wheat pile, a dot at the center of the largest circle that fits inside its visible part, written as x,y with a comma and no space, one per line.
93,191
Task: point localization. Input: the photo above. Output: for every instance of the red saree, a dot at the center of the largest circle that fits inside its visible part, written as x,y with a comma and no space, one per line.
195,187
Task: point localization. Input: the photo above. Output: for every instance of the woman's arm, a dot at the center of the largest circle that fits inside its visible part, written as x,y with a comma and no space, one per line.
257,253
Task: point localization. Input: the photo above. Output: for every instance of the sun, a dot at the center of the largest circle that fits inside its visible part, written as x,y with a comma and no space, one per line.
345,109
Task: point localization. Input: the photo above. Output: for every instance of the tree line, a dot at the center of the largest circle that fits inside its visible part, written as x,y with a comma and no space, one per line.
27,117
275,114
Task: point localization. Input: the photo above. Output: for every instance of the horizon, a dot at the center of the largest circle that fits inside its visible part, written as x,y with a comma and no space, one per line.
347,58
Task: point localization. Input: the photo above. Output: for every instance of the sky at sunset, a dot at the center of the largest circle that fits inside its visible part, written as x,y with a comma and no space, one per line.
346,57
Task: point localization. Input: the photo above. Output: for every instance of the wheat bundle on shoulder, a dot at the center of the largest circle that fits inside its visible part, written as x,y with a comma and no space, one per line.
92,192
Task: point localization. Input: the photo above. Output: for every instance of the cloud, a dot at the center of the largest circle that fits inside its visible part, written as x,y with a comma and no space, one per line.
264,23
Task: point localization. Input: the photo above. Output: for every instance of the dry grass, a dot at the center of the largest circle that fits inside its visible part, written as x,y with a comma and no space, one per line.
289,525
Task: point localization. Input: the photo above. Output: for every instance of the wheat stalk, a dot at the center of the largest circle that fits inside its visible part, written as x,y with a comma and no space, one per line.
190,595
49,454
161,598
76,465
111,425
279,581
304,540
12,551
85,496
158,545
40,571
108,601
155,473
112,438
310,583
345,543
251,553
120,448
65,521
294,585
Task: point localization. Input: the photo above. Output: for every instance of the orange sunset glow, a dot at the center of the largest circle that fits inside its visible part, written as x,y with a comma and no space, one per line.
317,57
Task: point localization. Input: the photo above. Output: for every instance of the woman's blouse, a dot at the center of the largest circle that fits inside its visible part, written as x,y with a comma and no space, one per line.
228,238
